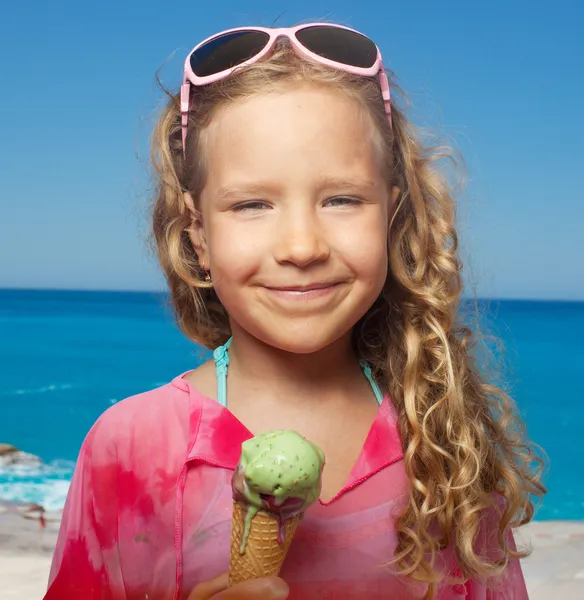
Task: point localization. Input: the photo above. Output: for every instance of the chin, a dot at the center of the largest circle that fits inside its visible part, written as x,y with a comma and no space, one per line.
307,339
307,345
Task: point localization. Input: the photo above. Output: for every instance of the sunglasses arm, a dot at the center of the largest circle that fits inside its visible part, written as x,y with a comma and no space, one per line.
384,84
185,90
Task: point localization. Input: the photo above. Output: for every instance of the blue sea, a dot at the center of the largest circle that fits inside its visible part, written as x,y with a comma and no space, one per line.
66,356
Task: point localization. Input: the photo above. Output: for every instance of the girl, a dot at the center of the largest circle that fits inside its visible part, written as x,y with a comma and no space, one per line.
308,238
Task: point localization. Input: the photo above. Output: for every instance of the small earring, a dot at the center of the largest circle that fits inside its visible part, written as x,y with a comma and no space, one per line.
207,277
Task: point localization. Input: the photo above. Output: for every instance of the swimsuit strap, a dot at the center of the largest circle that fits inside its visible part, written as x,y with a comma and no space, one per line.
221,359
367,371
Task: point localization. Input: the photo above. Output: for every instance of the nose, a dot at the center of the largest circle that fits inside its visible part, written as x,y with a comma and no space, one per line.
301,239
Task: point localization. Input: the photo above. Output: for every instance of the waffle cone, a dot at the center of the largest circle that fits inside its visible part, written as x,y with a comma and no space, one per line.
263,554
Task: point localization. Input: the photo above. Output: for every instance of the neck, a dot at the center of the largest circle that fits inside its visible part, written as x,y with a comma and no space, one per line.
331,373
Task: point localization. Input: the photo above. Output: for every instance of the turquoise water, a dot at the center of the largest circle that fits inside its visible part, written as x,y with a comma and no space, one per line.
66,356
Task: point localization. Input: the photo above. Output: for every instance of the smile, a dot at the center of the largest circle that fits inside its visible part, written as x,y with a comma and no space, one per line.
309,292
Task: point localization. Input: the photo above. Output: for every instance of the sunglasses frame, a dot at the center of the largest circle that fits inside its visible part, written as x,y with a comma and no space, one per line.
190,78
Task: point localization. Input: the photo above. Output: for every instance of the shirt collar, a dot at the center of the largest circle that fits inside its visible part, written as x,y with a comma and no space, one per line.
216,435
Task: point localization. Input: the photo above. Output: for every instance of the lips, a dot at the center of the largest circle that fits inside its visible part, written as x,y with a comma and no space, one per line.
321,291
319,285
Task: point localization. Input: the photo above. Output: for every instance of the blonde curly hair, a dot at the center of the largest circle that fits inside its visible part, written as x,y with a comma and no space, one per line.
463,444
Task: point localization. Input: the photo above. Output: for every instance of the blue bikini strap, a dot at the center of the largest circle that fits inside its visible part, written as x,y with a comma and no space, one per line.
367,371
221,358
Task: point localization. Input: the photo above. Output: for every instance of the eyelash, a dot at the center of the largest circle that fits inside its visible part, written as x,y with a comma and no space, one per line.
248,206
258,204
352,201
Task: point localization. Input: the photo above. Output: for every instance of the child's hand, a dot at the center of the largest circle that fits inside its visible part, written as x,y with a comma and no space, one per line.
265,588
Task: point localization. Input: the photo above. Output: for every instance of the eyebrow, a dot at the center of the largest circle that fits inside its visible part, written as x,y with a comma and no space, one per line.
234,191
346,182
326,183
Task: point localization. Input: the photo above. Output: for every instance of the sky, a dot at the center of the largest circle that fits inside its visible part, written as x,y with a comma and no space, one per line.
501,81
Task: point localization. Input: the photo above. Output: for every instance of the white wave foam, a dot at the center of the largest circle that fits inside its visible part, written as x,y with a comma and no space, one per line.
54,469
45,484
51,494
53,387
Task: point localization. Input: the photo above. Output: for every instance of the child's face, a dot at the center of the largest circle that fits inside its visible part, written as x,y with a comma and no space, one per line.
294,200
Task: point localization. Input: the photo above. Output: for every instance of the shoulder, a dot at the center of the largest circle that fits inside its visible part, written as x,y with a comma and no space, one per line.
203,380
144,418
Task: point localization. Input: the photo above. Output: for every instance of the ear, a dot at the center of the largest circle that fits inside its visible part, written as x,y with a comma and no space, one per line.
197,233
394,195
395,192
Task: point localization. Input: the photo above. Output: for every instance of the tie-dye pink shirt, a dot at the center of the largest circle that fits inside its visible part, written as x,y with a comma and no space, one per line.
148,515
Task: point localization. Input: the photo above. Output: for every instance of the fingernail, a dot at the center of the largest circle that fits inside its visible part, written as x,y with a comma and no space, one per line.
278,589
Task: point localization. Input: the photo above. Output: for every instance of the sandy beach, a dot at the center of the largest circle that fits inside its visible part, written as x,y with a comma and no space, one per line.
554,571
25,554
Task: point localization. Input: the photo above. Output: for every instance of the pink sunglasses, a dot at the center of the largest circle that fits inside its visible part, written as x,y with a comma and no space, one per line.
332,45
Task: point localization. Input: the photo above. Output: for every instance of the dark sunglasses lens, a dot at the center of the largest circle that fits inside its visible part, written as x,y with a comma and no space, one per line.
226,51
339,45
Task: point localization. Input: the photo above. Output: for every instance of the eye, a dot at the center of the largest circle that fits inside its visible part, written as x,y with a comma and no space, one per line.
250,205
344,201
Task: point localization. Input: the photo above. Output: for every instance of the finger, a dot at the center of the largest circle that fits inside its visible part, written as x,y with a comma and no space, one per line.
264,588
206,589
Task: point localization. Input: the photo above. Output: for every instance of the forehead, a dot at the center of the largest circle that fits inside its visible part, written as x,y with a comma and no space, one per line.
304,132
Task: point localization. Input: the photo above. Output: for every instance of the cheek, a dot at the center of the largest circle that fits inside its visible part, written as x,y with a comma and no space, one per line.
366,249
234,255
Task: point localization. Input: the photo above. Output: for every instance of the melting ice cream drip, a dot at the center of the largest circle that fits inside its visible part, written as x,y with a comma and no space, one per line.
279,472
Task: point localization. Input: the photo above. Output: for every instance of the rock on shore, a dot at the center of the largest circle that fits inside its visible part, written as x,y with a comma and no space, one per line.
10,455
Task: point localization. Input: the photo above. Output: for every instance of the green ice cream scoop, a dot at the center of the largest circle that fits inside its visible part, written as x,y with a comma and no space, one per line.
280,472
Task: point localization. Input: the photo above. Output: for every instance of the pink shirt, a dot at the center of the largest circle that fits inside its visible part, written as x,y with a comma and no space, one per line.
148,514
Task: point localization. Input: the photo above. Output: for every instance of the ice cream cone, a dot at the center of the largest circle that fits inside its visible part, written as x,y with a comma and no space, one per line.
263,555
277,478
